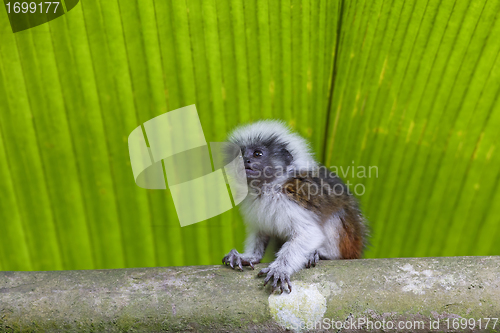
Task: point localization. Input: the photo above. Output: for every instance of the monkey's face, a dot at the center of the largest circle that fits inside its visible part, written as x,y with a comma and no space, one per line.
263,164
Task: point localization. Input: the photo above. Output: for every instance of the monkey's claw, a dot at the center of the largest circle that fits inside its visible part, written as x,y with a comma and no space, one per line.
281,280
313,259
234,258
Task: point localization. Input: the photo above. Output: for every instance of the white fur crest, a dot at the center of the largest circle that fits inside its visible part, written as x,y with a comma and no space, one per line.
264,129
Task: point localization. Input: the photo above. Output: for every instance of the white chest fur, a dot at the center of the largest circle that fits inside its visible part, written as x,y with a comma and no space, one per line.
276,215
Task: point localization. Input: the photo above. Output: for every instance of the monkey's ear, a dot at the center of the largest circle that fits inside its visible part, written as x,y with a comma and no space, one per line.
287,157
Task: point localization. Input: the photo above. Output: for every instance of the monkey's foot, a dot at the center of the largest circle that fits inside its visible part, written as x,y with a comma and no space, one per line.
234,258
281,279
313,259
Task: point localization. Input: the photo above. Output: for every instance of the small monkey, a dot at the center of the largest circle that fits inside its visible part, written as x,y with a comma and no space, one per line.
295,199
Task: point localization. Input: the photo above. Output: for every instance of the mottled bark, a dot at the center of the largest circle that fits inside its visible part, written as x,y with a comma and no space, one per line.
217,298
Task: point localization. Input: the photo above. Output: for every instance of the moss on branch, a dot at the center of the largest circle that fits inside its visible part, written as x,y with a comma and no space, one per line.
216,298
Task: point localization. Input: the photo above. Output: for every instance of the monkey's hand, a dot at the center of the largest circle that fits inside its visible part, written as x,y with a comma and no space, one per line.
234,258
280,276
313,259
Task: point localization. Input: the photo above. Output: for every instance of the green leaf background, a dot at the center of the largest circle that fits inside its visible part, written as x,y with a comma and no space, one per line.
408,87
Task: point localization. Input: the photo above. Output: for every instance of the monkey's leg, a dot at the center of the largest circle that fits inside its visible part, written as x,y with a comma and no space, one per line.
255,246
293,256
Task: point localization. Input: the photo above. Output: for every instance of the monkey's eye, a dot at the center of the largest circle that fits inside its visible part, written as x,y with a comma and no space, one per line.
257,153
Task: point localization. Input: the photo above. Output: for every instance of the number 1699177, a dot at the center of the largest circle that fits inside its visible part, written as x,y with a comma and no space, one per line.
32,7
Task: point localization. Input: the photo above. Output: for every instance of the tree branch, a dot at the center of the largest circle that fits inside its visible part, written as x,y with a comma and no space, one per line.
216,298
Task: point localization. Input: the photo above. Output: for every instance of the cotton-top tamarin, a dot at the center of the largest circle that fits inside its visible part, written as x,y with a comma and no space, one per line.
296,200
